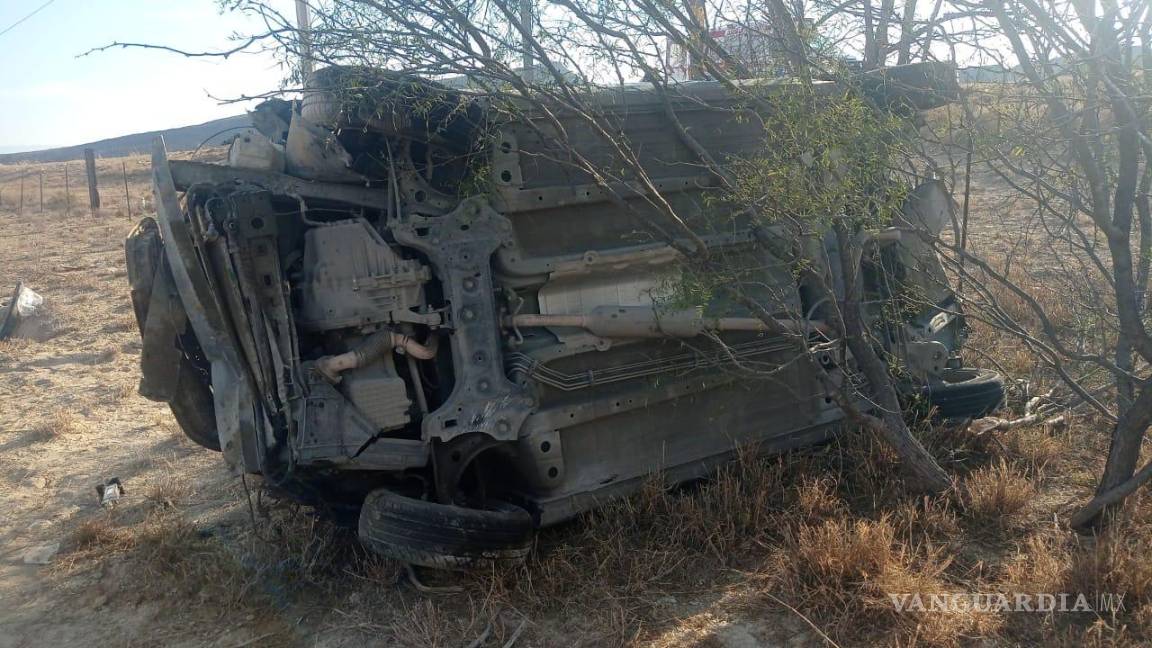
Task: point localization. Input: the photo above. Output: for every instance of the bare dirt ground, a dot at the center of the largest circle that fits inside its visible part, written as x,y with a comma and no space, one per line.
70,417
792,552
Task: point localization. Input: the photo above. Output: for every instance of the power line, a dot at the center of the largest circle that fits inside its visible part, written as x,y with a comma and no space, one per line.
17,23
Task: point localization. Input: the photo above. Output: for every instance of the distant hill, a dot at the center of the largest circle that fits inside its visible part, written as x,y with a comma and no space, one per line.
20,148
177,139
987,74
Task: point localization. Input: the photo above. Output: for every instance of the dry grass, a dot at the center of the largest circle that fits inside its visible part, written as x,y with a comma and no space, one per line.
100,533
11,348
108,354
169,556
1035,448
806,541
830,532
60,422
123,390
169,490
836,556
996,494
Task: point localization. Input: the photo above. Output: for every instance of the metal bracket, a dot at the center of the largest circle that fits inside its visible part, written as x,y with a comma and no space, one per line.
335,433
460,246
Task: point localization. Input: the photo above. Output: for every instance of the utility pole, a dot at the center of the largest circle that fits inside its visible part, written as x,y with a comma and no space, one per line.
526,61
699,16
303,33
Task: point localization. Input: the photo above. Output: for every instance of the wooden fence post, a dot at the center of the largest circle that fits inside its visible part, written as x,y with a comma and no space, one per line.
67,193
21,210
41,191
90,167
127,196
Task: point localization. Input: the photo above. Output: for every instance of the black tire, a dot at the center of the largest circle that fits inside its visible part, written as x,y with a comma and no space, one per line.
965,393
193,408
442,536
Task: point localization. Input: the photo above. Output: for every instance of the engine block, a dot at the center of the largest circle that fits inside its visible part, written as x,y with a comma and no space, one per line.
352,278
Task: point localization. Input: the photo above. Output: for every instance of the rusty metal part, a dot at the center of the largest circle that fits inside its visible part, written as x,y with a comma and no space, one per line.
332,366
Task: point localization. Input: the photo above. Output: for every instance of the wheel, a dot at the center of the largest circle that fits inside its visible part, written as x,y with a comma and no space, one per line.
965,393
184,372
192,405
443,536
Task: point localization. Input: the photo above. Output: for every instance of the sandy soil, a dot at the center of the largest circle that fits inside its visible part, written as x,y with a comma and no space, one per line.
70,417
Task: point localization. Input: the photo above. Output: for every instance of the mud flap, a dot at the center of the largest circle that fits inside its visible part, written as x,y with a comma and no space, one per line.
159,315
169,372
160,358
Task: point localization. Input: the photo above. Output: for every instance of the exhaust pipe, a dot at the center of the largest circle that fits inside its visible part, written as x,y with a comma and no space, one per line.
368,350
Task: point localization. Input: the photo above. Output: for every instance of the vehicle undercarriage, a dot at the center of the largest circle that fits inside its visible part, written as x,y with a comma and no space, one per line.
430,314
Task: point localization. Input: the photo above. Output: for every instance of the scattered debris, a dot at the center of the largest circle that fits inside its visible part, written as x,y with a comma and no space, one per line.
22,304
110,492
1038,410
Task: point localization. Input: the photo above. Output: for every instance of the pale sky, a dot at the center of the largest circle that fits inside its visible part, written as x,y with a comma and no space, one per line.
49,97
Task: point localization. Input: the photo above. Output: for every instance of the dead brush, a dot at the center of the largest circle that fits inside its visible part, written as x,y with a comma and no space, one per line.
165,557
123,391
427,624
657,540
178,561
817,498
1040,563
845,573
623,549
121,324
107,355
1033,449
733,508
926,519
170,490
303,548
924,577
868,472
104,532
1057,561
60,422
838,555
995,494
12,348
1115,562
